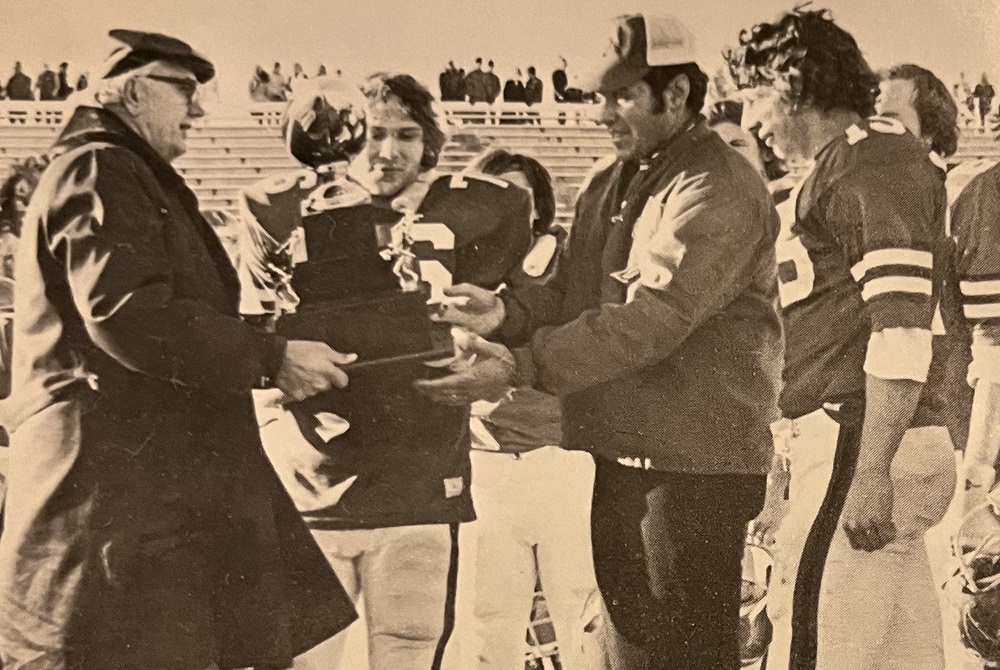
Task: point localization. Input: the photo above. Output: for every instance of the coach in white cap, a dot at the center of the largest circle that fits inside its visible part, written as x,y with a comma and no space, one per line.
144,526
660,334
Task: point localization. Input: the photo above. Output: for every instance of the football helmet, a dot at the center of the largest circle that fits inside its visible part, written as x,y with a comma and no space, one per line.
755,628
976,545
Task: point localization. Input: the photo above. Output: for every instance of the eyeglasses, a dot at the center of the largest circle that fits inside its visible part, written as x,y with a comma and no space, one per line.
188,87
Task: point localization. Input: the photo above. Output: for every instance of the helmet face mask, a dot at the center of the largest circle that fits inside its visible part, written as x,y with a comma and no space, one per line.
755,628
976,545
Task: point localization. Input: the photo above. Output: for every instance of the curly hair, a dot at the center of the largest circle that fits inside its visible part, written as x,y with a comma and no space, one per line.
815,61
418,101
498,161
936,109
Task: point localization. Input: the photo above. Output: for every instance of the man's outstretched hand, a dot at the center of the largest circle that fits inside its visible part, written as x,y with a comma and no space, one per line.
473,308
310,368
490,376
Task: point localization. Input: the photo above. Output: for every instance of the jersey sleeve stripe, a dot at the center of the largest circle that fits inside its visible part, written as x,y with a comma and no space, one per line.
896,284
900,256
982,311
971,287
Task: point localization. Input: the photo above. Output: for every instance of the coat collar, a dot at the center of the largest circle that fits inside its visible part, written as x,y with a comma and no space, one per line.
92,124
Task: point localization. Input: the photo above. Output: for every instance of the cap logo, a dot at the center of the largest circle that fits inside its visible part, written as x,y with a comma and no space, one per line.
621,42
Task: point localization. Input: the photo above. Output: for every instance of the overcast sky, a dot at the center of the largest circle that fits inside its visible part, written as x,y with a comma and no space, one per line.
420,36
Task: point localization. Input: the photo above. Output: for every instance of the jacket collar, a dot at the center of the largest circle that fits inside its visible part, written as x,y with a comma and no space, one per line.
92,124
693,132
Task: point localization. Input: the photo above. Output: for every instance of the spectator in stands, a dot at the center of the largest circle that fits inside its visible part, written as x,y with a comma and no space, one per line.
492,84
450,82
321,72
560,81
298,74
81,82
521,481
277,85
19,85
477,84
533,89
183,552
983,93
64,89
47,84
259,85
960,99
513,92
513,89
666,298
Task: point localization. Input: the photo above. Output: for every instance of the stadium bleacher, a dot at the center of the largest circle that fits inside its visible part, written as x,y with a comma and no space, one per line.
226,154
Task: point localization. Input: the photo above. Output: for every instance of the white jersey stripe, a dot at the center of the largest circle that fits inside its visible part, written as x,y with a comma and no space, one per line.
895,284
980,286
880,257
984,311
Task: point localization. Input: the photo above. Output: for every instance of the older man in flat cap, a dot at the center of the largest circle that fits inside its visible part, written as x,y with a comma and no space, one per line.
145,527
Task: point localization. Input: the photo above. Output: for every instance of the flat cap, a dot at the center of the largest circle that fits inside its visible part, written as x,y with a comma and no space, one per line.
140,48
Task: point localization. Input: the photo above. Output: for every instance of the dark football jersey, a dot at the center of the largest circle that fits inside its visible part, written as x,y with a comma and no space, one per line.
975,228
859,252
409,455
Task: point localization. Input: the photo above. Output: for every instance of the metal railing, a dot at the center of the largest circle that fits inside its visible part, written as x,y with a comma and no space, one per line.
54,114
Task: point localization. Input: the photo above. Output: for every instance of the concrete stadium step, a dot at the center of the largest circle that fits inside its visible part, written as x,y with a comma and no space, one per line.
245,142
247,172
46,132
235,131
190,162
206,151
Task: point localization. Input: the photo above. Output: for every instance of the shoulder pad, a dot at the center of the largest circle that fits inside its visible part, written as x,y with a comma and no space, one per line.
886,125
460,180
472,205
855,134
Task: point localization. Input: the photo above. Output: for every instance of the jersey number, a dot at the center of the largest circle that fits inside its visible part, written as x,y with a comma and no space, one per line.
796,276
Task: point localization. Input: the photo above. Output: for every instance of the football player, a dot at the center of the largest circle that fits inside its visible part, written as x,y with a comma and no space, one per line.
860,261
380,474
975,227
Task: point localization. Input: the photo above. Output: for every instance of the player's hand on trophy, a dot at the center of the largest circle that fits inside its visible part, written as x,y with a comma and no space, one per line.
310,368
472,308
490,376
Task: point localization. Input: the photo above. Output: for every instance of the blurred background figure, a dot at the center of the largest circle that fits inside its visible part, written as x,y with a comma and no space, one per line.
532,498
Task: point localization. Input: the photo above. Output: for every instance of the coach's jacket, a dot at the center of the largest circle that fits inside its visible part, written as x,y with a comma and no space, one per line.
660,331
134,432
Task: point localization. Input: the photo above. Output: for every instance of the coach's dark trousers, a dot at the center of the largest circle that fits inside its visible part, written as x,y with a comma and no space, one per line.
667,552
